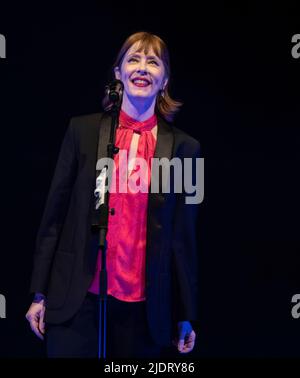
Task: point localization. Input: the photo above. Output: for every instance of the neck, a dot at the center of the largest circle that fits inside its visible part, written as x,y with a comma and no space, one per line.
139,109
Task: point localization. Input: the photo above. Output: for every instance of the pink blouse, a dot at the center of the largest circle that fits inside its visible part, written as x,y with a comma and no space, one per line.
126,237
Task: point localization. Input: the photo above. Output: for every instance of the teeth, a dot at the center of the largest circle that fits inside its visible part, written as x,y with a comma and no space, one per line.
140,81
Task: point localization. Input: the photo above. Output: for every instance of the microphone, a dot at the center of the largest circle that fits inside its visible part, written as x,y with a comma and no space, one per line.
115,91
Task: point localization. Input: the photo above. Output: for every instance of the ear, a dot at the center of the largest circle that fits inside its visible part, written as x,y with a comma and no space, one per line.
117,73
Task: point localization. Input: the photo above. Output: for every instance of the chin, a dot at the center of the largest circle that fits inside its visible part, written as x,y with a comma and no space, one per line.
143,92
140,95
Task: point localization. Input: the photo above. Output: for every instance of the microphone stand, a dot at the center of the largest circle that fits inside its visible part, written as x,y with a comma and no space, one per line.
115,95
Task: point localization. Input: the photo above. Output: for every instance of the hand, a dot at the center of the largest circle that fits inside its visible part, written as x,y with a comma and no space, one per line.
35,316
186,337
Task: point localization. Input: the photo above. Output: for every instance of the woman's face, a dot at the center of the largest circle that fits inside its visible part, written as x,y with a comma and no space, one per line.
143,75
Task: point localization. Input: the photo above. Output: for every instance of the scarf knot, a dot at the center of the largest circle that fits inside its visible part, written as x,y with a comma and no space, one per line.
127,122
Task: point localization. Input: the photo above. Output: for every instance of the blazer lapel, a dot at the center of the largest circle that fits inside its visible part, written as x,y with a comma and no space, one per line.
165,140
164,149
155,212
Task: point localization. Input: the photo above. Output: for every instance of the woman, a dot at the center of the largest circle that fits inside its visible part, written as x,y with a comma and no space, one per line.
151,249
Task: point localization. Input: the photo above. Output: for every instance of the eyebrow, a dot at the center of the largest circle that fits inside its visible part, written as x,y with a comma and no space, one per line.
148,56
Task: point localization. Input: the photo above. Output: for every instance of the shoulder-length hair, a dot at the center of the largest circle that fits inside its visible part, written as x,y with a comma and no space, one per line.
165,105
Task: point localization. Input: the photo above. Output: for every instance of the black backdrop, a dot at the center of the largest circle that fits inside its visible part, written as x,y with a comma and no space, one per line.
232,67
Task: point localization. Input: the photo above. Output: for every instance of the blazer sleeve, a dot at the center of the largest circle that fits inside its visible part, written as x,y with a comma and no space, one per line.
185,251
54,212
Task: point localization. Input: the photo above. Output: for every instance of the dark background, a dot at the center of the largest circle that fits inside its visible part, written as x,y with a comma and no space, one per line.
233,69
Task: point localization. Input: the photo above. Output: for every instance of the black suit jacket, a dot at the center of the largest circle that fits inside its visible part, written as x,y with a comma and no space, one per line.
66,248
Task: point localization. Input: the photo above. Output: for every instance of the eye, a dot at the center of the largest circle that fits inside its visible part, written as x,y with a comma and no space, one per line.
132,60
154,62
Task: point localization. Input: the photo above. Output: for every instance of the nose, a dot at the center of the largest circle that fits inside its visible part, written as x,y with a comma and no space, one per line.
142,67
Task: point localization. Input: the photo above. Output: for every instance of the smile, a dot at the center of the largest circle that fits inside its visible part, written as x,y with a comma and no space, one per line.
140,82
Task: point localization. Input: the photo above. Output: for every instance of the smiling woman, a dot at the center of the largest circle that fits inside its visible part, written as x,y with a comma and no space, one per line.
151,240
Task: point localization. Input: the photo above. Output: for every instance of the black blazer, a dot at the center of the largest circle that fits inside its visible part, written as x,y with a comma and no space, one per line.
66,247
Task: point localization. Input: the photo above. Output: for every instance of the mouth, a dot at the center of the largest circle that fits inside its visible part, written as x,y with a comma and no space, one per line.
140,82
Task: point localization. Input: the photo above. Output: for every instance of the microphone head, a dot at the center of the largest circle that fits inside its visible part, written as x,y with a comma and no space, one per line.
115,90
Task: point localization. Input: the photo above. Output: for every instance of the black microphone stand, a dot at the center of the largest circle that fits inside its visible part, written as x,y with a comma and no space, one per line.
115,91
